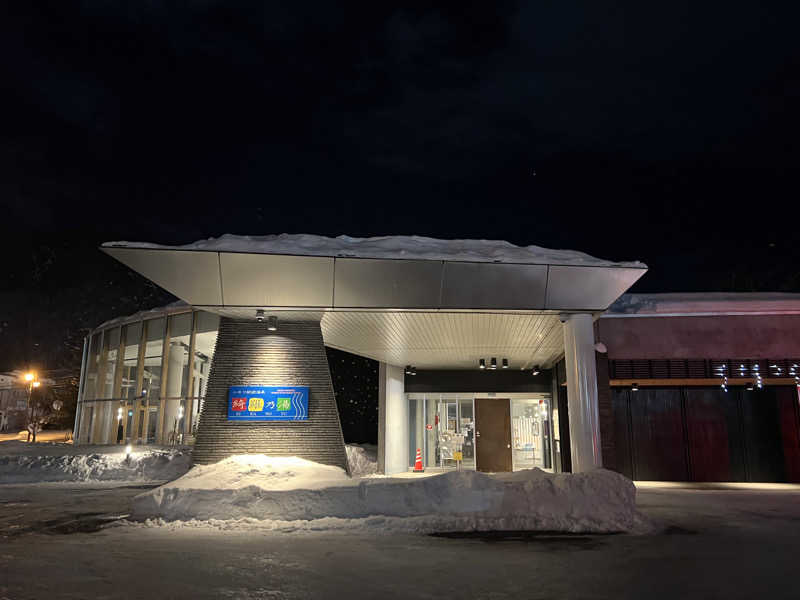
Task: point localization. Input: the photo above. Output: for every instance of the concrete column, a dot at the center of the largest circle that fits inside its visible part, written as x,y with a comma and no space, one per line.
584,420
392,420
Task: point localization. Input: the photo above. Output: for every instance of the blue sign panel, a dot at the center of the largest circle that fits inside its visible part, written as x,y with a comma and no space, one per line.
267,403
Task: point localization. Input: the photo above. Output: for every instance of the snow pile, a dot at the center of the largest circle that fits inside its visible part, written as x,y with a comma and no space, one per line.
149,465
285,489
362,459
391,246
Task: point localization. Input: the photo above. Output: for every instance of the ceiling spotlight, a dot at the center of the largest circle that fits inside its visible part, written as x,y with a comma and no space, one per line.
260,315
634,387
494,363
536,370
482,363
272,323
505,363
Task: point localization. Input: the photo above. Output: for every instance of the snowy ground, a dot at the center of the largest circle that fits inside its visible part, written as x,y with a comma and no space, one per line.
72,539
727,544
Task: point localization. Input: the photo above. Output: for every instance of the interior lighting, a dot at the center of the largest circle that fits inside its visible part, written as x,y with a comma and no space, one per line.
494,363
482,363
536,370
260,315
413,370
37,384
29,376
505,363
272,323
408,370
634,387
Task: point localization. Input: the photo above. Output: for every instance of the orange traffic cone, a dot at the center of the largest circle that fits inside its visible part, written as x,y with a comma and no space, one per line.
418,463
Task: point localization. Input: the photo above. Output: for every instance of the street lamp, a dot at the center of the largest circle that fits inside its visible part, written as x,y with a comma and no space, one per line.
33,382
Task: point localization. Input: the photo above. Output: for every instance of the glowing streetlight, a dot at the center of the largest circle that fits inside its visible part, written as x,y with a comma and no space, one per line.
32,381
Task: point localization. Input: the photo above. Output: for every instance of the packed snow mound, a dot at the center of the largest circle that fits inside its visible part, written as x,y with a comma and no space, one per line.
362,459
291,489
148,465
390,246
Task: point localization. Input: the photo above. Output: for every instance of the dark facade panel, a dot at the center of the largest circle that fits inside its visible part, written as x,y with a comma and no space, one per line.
716,452
754,336
248,354
659,451
605,411
500,380
706,434
789,410
761,427
622,461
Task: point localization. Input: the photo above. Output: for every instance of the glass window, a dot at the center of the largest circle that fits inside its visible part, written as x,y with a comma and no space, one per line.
530,434
180,330
90,391
109,363
130,360
151,370
205,342
467,429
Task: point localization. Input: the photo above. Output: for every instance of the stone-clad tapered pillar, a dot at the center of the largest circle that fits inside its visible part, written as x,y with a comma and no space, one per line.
294,355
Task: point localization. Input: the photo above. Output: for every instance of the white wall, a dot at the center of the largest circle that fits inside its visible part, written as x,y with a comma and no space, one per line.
392,420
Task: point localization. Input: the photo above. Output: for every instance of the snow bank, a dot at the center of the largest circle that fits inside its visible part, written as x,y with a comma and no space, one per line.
284,489
147,465
392,246
362,459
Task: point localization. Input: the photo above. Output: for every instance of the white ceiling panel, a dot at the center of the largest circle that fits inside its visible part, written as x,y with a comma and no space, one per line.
455,340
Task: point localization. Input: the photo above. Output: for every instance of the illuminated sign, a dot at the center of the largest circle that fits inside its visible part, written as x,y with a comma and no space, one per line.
267,403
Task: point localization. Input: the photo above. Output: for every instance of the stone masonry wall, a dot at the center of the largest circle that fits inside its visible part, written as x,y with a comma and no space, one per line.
248,354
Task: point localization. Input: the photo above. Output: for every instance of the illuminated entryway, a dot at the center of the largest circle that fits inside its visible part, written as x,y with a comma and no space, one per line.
491,431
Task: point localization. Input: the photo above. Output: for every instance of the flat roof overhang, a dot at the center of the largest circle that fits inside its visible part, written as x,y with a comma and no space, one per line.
429,313
237,279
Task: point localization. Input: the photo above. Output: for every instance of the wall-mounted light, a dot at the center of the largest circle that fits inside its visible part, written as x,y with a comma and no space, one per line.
272,323
634,387
413,370
260,315
493,363
408,370
505,363
482,363
536,370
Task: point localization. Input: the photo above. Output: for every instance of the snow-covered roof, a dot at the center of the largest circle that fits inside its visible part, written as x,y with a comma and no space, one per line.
151,313
704,303
392,247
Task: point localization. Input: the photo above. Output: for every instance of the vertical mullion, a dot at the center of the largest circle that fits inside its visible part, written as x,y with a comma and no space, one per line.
189,410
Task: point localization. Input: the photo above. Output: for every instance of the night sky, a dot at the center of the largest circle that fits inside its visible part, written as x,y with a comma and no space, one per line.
666,133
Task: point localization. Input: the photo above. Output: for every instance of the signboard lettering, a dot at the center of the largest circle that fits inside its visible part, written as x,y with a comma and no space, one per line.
267,403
